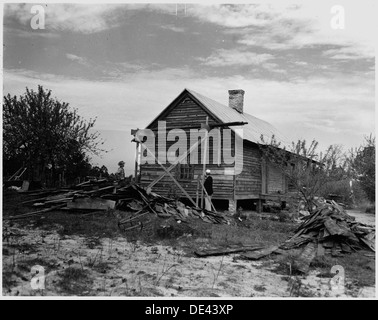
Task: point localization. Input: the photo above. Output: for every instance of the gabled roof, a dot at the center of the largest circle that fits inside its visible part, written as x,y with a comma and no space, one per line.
251,131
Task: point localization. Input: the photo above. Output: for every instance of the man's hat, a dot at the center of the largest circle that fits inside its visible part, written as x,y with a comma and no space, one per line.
121,162
208,171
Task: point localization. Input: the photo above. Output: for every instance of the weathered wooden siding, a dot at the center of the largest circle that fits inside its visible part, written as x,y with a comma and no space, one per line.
276,181
248,183
187,112
222,184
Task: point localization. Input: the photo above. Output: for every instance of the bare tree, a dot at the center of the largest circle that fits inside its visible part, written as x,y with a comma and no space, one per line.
306,169
362,164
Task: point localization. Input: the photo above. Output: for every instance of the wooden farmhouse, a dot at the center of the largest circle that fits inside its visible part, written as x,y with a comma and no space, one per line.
258,180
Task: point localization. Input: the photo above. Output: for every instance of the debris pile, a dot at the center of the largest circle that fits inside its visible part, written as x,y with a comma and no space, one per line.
329,230
334,230
97,195
137,199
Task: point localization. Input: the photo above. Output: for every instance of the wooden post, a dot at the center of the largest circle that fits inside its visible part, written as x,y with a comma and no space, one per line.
259,206
263,176
204,161
197,190
136,163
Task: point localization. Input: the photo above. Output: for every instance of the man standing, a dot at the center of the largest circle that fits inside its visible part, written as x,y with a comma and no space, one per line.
208,184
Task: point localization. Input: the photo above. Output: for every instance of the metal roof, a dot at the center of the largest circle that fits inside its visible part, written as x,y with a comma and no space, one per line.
251,131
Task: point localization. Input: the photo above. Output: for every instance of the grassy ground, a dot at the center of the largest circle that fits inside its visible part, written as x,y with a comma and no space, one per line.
188,236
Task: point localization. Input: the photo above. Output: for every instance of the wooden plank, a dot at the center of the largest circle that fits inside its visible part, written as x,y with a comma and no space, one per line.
336,250
302,263
27,215
98,190
345,248
83,183
333,228
54,201
220,252
369,244
92,204
260,253
25,186
320,250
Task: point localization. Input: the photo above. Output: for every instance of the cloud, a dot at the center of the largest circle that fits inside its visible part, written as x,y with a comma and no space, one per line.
339,111
285,27
300,63
80,60
134,100
222,58
234,16
240,58
173,28
13,32
277,26
82,18
349,53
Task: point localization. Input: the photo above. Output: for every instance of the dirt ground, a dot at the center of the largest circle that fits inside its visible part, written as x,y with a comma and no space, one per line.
75,265
116,267
366,218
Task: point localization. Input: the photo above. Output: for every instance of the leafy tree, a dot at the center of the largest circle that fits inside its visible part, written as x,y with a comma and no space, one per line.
46,134
362,162
97,172
307,170
104,172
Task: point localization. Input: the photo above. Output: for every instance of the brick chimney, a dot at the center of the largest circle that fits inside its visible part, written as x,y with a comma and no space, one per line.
236,98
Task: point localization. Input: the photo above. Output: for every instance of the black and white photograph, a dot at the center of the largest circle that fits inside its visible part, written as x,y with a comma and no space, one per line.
169,151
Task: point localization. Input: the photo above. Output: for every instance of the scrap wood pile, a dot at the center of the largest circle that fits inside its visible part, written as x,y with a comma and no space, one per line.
334,231
329,230
137,199
84,196
98,195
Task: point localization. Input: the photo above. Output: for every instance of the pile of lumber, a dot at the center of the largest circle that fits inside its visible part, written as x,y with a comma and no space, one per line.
329,230
97,195
137,199
334,231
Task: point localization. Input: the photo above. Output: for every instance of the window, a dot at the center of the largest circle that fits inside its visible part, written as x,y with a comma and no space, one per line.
185,171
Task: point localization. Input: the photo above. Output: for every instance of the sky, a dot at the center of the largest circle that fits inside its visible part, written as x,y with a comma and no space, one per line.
306,68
